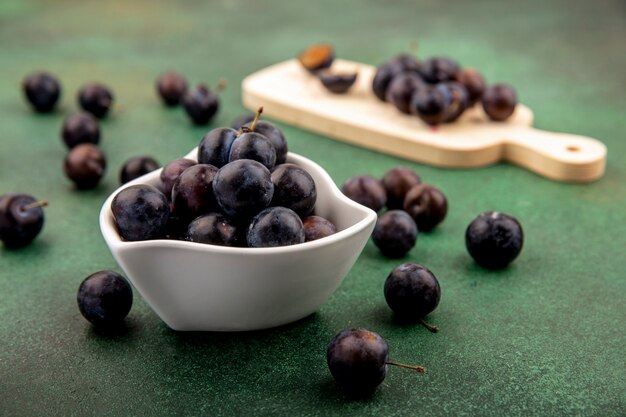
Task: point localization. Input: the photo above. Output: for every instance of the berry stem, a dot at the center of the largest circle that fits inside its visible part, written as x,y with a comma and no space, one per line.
36,204
429,326
417,368
256,119
221,85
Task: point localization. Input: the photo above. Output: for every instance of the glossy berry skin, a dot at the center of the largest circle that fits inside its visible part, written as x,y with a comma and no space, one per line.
141,212
137,167
242,120
316,227
192,193
201,104
427,205
395,233
96,99
85,165
275,135
397,181
337,83
432,104
494,239
170,173
18,226
365,190
243,188
214,229
317,57
294,188
499,102
387,71
275,226
42,90
412,291
171,87
460,101
255,146
401,90
357,359
214,148
105,298
474,84
439,69
79,128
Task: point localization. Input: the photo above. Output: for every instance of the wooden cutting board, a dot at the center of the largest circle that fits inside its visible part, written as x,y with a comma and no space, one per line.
290,94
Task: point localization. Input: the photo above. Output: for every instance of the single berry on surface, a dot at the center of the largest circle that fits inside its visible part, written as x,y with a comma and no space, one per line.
358,359
21,219
81,127
171,87
427,205
96,99
85,165
365,190
395,233
494,239
412,292
201,104
42,90
105,298
397,182
136,167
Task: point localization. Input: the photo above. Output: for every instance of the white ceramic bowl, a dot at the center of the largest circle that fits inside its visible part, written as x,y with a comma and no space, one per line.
194,286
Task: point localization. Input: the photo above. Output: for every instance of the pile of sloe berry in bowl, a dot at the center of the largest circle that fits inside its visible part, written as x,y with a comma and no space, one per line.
240,242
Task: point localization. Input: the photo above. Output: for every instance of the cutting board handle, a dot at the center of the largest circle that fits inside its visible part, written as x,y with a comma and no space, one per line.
560,156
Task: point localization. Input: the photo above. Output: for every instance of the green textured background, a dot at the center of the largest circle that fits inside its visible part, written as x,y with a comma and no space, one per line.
543,337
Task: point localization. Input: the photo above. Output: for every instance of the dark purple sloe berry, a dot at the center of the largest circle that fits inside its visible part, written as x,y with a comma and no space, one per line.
105,298
365,190
395,233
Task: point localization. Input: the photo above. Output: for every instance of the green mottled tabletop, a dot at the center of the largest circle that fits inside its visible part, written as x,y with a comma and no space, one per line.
543,337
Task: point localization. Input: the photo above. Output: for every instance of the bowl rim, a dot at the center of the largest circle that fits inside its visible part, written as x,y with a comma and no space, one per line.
114,241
